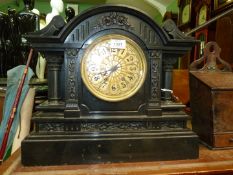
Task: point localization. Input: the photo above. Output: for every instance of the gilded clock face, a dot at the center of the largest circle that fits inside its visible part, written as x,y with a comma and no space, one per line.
185,14
113,67
202,15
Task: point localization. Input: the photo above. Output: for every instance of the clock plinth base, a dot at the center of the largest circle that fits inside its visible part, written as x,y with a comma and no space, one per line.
105,148
96,138
70,150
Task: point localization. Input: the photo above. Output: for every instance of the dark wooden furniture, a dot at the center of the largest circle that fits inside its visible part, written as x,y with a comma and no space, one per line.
211,106
224,37
217,162
180,84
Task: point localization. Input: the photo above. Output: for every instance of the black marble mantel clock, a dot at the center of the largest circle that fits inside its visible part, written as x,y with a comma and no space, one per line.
106,69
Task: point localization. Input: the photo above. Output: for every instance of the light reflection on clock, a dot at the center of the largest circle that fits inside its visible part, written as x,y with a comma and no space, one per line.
113,67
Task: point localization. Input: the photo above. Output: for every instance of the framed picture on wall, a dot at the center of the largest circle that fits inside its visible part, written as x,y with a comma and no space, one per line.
222,4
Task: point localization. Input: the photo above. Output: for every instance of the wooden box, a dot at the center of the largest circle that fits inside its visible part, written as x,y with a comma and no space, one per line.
211,98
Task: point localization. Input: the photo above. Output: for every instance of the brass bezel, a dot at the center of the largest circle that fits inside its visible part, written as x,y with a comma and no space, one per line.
130,92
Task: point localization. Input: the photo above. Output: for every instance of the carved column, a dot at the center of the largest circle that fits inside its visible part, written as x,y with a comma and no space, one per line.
168,65
153,104
54,63
71,107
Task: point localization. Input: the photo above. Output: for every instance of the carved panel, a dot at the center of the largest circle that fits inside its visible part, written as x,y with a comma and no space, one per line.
51,127
114,18
71,74
109,126
72,127
166,125
155,57
113,126
57,127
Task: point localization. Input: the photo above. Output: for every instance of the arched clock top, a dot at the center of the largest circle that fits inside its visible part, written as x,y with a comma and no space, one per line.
128,19
114,21
110,17
113,16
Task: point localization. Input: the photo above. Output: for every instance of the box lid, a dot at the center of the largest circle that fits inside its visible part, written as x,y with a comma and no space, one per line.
215,80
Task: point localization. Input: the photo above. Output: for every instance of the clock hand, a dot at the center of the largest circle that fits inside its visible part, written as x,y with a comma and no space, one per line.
112,69
104,72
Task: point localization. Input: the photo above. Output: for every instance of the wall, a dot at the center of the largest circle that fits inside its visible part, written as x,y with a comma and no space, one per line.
173,7
11,4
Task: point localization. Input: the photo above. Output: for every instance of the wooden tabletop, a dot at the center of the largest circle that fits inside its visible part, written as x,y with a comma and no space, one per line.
210,162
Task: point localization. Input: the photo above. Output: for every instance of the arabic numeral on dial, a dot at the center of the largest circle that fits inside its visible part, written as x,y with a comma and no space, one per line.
122,53
123,85
104,87
114,88
130,78
103,51
130,59
96,78
114,51
133,68
93,68
122,78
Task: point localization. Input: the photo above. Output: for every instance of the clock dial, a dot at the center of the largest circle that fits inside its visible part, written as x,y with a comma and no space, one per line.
113,67
185,14
202,15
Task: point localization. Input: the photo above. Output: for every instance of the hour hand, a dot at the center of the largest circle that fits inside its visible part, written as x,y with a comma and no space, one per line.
111,70
103,73
114,68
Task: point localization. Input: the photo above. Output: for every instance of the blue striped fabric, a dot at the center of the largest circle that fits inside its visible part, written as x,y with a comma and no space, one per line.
13,79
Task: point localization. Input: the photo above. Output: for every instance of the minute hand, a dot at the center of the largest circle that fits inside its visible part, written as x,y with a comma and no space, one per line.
111,70
114,68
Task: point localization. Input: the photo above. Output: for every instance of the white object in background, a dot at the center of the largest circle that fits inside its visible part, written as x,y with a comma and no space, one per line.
26,114
40,67
57,8
41,62
36,11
